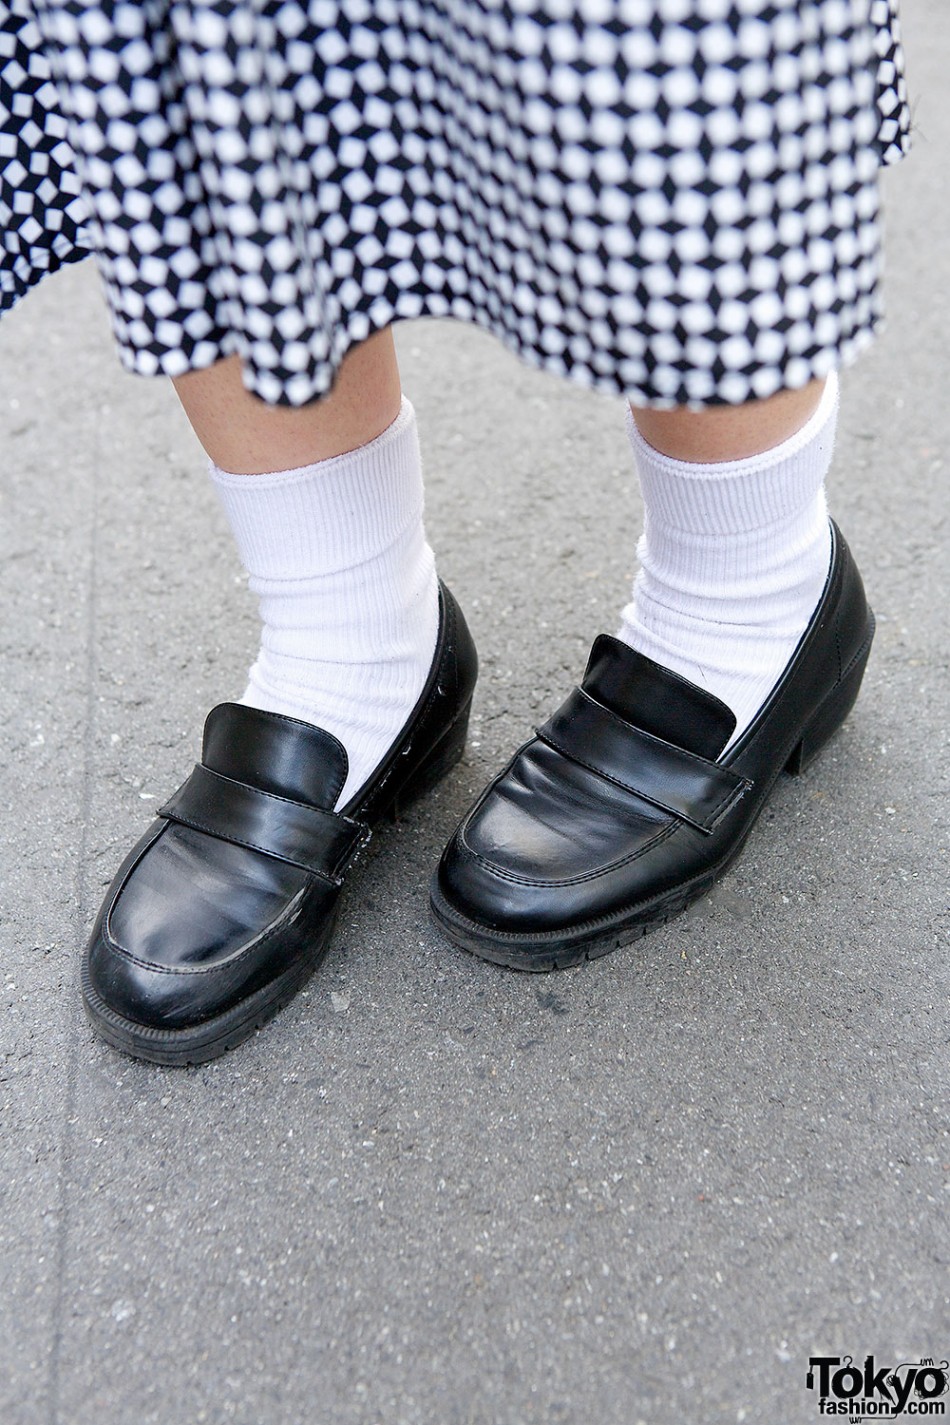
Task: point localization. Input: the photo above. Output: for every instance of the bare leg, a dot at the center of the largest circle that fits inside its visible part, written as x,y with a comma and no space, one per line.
728,432
246,437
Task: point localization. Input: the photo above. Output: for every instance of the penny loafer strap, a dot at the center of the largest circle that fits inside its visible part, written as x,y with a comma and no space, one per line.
690,787
319,841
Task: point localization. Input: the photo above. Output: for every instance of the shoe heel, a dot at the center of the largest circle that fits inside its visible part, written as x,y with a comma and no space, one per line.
830,715
439,760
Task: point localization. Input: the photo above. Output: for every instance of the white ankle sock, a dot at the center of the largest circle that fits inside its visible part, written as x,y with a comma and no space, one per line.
337,554
733,559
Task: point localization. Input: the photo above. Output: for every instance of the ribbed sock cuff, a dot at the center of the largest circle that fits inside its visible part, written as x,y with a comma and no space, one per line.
734,496
330,516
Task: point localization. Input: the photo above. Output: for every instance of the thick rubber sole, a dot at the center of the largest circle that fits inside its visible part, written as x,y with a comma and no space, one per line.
197,1044
591,940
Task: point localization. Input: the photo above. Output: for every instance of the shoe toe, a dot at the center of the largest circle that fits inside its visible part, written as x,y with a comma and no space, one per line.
187,931
542,851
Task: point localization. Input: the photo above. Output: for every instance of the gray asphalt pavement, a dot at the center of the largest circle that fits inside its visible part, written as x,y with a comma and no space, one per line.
433,1192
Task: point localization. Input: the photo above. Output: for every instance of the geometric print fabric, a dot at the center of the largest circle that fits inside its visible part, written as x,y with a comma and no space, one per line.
41,210
673,199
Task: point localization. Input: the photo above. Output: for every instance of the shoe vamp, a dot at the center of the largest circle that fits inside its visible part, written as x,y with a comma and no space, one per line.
548,819
194,900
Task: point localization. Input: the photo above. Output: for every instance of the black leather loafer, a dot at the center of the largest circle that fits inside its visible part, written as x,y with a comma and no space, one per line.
625,808
225,907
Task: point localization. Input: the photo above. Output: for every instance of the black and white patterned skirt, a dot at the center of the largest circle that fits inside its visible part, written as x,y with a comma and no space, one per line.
676,199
